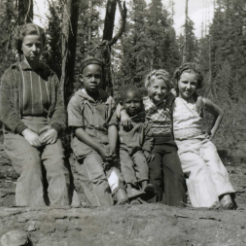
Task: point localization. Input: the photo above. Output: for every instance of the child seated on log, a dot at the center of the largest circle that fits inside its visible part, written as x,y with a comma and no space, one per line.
165,170
135,145
90,112
208,183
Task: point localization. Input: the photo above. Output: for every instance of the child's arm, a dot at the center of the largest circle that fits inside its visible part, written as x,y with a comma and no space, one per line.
148,143
125,120
217,113
76,121
85,138
113,137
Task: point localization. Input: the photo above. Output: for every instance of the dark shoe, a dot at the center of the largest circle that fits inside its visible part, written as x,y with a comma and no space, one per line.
149,188
149,192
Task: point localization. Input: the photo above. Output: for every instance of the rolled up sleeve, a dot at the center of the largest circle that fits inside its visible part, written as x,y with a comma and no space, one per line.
75,113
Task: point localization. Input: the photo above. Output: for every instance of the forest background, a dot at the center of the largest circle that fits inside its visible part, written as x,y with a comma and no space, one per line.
145,40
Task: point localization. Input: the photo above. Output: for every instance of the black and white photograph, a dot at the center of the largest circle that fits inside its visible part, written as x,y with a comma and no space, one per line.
123,123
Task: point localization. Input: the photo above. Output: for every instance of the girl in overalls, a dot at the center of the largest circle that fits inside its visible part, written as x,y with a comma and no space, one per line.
208,182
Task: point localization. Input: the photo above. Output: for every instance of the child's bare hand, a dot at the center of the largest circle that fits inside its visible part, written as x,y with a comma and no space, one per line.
149,157
125,121
127,125
106,155
31,137
210,135
49,136
106,166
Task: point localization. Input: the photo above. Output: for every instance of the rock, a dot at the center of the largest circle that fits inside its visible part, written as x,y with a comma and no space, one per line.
139,225
15,238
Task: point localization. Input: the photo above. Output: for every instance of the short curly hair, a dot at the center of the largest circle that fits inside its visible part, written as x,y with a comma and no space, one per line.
27,29
132,88
189,67
157,74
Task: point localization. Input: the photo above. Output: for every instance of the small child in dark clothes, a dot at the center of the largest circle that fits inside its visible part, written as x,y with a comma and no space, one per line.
135,145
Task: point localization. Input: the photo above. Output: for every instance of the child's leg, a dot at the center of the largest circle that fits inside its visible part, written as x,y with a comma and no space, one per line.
127,169
117,185
26,162
173,177
140,166
94,181
216,168
200,186
218,172
156,173
56,173
142,171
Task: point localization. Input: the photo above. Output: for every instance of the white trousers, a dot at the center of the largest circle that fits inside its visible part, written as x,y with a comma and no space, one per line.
208,177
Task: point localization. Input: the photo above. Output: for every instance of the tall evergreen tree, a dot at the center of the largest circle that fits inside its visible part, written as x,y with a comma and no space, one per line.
149,42
228,61
135,43
191,45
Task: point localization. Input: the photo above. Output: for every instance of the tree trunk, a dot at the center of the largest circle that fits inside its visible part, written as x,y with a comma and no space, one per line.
106,51
69,36
109,20
25,11
185,36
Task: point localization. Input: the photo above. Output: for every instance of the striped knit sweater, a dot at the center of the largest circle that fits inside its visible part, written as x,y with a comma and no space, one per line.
33,93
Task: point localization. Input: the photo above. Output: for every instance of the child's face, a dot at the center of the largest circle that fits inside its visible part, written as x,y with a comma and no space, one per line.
187,85
32,47
92,77
132,103
158,90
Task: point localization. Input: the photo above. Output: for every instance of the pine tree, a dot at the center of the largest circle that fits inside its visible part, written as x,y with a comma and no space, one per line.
149,42
88,37
135,43
191,48
228,61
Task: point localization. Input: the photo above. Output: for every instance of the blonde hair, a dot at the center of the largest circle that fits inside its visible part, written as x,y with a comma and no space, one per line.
157,74
27,29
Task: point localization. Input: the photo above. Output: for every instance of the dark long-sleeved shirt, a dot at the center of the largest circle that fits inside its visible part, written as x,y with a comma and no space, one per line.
26,92
138,138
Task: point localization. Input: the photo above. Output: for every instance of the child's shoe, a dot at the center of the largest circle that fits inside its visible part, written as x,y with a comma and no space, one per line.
134,193
149,188
122,198
227,202
149,191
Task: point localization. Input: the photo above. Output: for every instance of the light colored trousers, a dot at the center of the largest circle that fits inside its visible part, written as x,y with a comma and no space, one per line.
98,185
29,162
208,177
